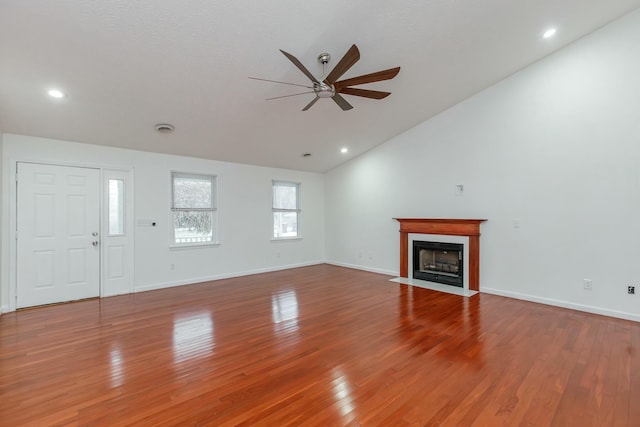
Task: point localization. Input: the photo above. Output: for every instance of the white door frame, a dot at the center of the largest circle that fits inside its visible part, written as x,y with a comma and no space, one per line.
13,217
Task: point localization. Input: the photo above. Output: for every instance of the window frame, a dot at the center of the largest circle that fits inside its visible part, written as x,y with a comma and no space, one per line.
297,210
213,209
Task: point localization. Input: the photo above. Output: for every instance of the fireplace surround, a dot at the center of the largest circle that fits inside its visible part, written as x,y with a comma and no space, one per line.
448,227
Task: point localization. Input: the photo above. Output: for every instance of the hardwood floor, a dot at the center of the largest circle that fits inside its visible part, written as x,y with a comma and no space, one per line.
319,345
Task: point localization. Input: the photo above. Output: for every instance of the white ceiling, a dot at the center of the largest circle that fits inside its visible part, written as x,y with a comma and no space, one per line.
127,65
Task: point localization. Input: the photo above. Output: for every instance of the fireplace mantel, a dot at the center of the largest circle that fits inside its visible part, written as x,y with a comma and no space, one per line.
443,226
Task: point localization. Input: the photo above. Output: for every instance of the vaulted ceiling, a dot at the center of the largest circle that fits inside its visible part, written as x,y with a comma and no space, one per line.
128,65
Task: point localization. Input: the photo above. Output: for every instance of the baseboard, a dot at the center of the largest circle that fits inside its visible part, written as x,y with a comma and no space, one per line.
194,280
563,304
486,290
115,294
516,295
364,268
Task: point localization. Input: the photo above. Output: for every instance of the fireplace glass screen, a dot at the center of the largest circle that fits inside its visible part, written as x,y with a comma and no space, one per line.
438,262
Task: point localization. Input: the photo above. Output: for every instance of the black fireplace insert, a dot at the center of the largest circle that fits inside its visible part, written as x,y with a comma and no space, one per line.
438,262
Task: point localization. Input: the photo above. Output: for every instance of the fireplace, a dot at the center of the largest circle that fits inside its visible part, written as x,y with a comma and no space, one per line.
438,262
469,228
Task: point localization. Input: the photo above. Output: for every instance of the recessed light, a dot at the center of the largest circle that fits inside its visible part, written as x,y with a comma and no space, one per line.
344,150
55,93
549,33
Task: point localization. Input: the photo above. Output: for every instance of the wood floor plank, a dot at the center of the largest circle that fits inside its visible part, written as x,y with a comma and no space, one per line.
320,345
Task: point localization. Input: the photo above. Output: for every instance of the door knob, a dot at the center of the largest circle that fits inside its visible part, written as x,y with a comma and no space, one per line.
94,243
94,234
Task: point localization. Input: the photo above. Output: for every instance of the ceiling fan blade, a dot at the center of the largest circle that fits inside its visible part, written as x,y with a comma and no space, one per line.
342,103
374,94
368,78
351,57
287,96
300,66
284,83
309,105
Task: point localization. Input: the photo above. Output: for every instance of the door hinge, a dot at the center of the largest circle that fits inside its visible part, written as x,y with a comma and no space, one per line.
16,176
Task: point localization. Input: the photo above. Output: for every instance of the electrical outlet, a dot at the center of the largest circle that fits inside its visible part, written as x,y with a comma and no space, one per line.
631,290
588,284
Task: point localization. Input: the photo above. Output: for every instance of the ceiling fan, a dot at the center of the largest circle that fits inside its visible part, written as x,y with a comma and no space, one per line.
331,87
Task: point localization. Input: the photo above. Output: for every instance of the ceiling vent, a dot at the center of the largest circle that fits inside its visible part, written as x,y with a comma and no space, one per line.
164,128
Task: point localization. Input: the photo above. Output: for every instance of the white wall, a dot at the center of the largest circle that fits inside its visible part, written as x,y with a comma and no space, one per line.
556,146
244,212
2,234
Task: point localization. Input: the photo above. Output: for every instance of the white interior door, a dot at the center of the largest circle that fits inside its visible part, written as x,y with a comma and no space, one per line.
58,242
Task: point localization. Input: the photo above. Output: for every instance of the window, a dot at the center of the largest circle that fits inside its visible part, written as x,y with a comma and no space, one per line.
194,209
116,207
286,209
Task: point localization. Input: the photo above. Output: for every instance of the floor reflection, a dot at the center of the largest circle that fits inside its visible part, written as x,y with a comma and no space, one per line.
117,368
284,311
193,336
426,316
342,392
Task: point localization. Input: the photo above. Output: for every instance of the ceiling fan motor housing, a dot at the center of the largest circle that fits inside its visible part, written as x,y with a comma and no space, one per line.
323,90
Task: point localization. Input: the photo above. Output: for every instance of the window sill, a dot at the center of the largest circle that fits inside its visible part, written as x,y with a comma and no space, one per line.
285,239
186,247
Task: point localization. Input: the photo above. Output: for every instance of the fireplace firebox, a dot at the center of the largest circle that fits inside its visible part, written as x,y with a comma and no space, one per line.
438,262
